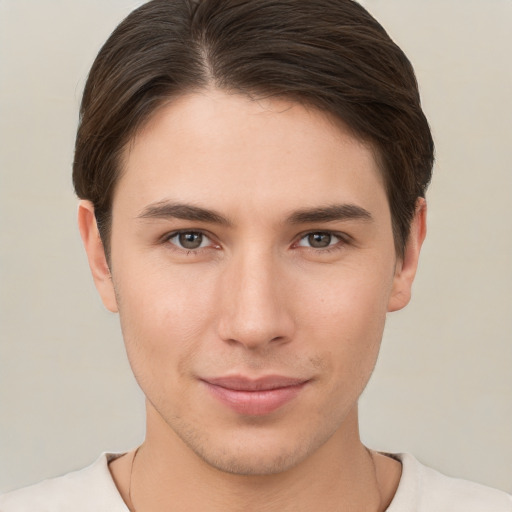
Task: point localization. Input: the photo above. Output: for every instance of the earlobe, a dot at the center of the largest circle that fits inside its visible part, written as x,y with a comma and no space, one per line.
407,266
96,255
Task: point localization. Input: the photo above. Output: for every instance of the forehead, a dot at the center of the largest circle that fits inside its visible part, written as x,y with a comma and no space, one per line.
227,148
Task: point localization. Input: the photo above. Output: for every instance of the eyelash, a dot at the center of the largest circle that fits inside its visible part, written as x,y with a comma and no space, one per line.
188,252
343,240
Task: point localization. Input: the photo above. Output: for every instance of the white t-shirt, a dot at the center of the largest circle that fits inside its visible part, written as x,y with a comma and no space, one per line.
92,489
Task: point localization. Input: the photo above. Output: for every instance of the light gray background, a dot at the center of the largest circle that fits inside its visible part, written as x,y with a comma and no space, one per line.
443,384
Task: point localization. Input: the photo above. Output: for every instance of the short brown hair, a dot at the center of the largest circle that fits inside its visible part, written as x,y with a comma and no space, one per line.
329,54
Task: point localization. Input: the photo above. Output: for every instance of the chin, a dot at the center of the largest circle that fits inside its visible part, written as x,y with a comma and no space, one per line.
256,452
254,463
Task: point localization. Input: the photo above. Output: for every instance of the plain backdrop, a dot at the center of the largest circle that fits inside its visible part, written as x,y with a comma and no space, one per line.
443,385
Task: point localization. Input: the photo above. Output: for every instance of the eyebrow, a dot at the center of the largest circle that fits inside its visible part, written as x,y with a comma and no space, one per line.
335,212
169,210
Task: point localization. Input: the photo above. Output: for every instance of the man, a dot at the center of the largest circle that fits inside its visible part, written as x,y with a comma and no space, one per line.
252,178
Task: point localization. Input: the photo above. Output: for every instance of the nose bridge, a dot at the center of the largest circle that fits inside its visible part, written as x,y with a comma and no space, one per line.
254,312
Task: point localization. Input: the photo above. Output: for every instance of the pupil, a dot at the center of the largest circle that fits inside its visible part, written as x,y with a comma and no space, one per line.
319,239
190,240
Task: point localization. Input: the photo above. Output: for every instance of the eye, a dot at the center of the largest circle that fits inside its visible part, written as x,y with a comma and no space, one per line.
190,240
319,240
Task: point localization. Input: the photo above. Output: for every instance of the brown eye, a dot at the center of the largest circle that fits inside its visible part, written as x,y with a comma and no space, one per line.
319,240
322,240
189,240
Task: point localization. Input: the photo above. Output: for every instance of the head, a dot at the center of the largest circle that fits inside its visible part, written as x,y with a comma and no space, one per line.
332,56
252,175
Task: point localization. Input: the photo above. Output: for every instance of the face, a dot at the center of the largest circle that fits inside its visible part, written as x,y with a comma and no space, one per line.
252,265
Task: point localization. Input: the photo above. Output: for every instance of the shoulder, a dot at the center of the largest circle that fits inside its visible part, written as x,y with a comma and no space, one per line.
426,490
86,490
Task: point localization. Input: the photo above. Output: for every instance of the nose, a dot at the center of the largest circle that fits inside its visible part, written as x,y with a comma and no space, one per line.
255,306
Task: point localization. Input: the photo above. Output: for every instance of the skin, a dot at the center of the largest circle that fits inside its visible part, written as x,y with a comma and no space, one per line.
255,299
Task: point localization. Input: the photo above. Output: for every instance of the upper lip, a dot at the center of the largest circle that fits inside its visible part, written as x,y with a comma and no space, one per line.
241,383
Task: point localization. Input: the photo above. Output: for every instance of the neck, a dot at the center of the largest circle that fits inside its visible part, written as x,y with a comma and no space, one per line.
341,474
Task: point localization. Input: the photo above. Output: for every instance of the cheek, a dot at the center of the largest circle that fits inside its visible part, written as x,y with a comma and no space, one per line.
164,316
345,317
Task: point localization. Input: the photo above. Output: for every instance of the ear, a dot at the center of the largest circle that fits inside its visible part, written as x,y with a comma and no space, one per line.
406,267
96,255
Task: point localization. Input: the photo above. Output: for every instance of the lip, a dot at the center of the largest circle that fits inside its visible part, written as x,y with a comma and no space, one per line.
255,397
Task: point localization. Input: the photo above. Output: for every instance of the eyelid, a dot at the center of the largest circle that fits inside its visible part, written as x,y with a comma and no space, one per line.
169,236
343,239
339,234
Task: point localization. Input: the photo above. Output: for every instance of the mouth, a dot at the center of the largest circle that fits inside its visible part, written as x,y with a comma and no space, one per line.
255,397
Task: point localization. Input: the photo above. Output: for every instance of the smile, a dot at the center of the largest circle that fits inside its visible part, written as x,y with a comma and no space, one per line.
255,397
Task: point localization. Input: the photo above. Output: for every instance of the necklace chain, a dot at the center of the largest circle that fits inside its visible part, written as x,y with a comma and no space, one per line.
130,505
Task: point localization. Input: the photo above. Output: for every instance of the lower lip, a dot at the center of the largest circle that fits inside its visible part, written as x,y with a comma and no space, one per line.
255,403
